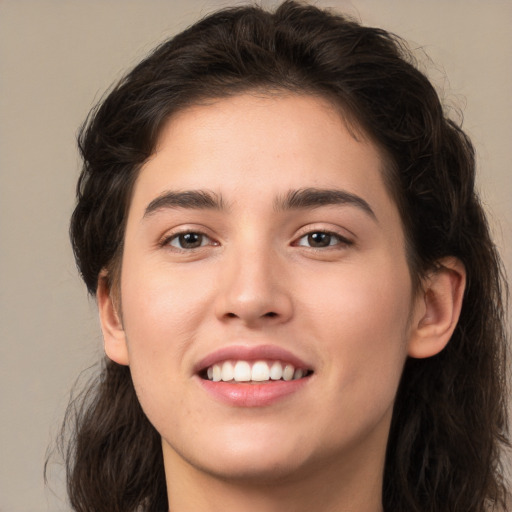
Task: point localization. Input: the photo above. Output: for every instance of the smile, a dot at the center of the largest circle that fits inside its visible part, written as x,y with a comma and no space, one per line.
252,376
254,371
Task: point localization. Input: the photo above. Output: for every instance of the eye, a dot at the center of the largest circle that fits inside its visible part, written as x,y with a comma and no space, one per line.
189,240
321,239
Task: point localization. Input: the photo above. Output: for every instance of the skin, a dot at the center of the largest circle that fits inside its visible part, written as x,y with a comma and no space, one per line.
347,309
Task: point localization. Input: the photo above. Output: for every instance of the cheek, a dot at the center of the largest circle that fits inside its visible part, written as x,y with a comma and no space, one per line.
162,312
362,316
161,305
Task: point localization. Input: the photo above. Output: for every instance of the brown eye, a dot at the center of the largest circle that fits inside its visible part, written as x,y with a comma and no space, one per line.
319,239
322,239
190,240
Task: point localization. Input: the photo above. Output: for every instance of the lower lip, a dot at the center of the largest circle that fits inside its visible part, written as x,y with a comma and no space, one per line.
252,395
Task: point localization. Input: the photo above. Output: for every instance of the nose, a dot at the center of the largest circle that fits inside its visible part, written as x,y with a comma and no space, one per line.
254,289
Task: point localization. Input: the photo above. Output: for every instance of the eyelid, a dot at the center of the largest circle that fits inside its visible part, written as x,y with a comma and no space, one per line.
341,233
343,241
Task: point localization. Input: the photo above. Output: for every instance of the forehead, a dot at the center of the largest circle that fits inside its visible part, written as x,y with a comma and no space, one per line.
263,141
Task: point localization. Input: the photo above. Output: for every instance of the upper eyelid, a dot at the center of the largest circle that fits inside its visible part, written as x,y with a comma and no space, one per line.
173,233
186,232
342,232
343,240
325,231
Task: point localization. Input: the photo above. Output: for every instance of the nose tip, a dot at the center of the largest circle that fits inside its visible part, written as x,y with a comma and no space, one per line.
253,294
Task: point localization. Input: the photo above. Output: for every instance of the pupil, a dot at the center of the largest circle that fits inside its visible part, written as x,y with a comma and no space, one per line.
190,240
319,239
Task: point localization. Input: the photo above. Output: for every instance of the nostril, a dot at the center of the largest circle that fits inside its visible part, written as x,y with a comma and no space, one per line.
270,314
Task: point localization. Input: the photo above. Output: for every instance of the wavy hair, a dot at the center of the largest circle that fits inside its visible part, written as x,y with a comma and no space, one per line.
450,418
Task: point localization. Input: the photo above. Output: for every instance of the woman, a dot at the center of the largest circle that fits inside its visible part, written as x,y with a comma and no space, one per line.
300,300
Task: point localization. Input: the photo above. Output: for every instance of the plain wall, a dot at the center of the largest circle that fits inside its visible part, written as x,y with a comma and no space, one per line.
56,60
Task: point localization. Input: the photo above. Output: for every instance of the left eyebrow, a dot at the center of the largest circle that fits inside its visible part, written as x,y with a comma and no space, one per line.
307,198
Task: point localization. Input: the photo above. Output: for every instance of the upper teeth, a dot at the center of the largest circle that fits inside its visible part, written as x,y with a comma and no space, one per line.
258,371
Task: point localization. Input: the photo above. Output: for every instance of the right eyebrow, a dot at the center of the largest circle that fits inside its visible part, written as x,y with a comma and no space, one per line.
192,199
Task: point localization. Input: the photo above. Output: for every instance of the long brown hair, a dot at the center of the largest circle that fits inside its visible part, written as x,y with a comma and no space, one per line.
450,421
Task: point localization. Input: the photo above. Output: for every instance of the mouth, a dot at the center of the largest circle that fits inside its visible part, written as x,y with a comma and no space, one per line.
253,376
254,372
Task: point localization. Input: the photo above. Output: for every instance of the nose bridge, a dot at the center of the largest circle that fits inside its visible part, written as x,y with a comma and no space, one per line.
252,289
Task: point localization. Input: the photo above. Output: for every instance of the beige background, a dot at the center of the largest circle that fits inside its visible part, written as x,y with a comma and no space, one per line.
56,59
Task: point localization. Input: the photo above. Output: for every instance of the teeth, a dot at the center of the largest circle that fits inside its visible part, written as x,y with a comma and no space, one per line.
242,371
216,373
288,372
228,371
259,371
276,371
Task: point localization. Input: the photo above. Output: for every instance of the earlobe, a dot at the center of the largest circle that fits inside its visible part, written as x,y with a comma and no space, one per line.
438,309
114,337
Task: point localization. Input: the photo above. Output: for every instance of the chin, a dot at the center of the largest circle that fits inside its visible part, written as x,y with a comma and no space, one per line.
258,456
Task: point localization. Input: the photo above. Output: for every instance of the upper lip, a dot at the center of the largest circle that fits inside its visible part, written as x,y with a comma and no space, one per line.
251,353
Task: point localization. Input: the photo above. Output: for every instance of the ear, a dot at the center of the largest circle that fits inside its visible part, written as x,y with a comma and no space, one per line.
114,337
437,309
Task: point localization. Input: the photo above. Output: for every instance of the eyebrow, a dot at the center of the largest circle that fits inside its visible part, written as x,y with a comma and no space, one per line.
193,199
307,198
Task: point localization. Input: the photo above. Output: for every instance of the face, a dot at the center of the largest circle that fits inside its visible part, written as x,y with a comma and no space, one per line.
266,297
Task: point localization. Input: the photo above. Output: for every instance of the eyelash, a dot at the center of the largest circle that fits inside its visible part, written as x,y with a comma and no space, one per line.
179,238
340,240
